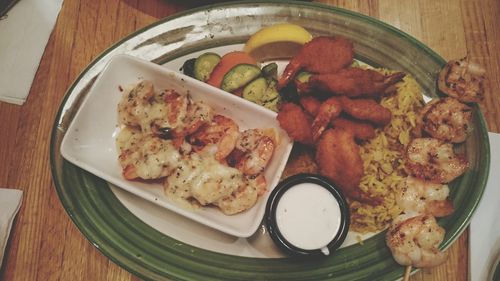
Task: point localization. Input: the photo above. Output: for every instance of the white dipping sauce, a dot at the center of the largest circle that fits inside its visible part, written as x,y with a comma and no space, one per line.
308,216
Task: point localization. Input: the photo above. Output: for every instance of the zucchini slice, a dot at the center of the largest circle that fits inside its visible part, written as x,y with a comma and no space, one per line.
272,98
239,76
204,65
255,90
263,92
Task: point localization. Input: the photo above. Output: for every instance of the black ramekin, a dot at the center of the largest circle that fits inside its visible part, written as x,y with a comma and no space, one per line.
284,186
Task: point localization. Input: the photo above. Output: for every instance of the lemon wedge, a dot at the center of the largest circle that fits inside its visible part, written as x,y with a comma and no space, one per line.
279,41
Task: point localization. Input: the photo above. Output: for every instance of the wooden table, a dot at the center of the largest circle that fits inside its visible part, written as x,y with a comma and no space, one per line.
46,245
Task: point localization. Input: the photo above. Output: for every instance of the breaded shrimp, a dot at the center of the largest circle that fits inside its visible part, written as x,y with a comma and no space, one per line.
361,130
366,109
320,55
296,123
328,110
423,197
462,80
434,160
310,104
339,159
415,241
353,82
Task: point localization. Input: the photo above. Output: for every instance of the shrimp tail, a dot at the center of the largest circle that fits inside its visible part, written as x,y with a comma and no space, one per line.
129,172
327,111
290,70
391,80
440,208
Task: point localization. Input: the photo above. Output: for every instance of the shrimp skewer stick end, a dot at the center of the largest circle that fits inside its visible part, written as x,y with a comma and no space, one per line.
407,273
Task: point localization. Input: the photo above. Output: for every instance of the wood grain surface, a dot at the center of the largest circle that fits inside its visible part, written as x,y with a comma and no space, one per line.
46,245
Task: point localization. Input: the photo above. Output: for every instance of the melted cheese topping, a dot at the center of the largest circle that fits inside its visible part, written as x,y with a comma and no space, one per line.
151,157
142,107
244,198
203,178
127,139
188,175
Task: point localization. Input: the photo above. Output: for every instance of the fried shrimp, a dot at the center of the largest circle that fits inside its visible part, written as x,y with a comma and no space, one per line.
328,110
339,160
353,82
310,104
221,134
296,122
462,80
423,197
447,119
415,241
361,130
327,113
434,160
367,110
336,53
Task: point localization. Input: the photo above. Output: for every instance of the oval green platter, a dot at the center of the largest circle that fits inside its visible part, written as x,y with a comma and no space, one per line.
151,255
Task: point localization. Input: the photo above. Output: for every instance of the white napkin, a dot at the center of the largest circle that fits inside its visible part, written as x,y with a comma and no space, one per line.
23,36
10,201
485,224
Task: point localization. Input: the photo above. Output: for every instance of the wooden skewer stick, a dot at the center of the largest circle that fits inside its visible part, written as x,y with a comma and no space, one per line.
407,273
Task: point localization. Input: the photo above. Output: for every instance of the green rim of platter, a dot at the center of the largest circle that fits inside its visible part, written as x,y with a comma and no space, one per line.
151,255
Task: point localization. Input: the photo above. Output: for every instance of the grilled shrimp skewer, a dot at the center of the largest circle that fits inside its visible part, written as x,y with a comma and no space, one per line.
414,241
445,119
414,237
434,160
462,80
424,197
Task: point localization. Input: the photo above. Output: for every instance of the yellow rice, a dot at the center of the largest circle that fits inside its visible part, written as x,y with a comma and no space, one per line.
383,159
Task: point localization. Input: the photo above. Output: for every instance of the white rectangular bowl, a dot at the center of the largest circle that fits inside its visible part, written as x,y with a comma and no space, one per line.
90,140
